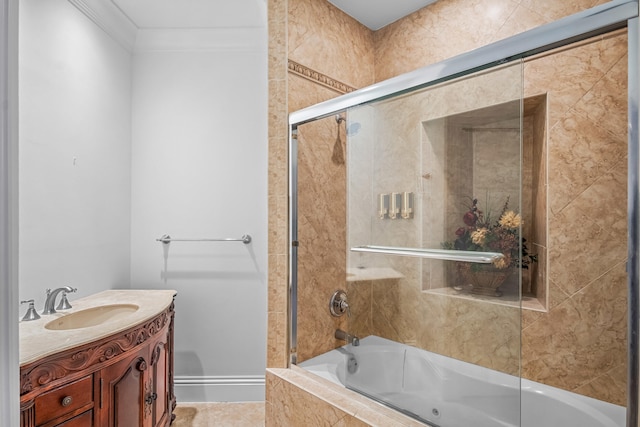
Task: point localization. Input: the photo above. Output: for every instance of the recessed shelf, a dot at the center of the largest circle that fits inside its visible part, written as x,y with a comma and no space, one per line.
527,303
494,155
361,274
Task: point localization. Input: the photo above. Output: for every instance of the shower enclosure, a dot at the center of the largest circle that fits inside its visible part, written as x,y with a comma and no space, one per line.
442,207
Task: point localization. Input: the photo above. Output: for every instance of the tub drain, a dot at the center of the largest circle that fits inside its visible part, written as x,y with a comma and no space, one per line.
435,412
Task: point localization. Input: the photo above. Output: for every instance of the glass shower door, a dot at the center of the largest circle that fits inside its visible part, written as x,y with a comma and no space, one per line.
435,260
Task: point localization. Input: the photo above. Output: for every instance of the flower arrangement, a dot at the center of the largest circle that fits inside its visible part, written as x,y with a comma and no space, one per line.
480,233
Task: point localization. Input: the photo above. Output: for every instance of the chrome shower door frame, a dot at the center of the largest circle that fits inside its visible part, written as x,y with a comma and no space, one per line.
633,206
598,20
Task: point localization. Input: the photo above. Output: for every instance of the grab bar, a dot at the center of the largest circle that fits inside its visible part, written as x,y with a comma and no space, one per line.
442,254
166,239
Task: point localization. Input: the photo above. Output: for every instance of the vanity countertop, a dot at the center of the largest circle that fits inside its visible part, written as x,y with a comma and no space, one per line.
37,342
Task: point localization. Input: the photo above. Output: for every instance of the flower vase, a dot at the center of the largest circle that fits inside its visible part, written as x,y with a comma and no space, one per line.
483,279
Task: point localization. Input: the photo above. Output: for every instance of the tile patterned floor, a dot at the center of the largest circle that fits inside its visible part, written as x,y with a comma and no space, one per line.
219,414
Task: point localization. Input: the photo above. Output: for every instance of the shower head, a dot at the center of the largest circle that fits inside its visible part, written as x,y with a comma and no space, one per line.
353,129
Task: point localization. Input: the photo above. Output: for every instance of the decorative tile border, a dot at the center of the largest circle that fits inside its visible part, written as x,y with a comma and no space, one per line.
319,78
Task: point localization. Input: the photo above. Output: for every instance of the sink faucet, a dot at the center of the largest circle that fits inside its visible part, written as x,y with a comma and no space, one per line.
49,304
350,339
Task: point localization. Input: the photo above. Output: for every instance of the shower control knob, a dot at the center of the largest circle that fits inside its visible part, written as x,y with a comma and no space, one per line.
344,306
338,304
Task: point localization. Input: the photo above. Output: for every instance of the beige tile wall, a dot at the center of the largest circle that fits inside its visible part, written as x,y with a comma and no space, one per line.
277,322
451,27
330,42
321,230
316,53
321,175
301,399
579,344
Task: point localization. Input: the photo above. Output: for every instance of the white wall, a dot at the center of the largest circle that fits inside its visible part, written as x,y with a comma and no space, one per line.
75,160
118,148
200,171
9,399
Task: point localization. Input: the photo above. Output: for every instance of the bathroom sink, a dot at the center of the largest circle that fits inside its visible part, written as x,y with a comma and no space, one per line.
91,317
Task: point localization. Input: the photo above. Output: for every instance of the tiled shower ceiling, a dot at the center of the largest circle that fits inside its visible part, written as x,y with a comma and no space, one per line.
375,14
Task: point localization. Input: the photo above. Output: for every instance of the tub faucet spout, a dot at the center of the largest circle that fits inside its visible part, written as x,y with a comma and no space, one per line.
50,302
345,336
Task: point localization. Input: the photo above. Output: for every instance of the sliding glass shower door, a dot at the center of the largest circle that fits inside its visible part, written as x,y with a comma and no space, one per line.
436,214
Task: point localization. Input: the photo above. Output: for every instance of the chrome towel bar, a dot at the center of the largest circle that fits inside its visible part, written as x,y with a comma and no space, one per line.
166,239
442,254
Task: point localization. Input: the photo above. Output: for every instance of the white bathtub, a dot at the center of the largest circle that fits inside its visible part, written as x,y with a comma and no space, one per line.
445,392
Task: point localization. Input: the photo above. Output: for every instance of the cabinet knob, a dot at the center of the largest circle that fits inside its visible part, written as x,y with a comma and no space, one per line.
142,365
66,401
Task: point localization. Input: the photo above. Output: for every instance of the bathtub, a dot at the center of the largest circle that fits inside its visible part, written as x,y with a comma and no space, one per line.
444,392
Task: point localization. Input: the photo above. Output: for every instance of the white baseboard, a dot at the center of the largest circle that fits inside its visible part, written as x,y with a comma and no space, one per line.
245,388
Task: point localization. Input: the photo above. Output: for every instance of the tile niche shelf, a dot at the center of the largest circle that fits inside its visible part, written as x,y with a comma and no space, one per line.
478,154
362,274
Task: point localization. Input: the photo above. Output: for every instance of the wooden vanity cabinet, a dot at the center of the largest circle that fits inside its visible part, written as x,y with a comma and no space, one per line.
124,380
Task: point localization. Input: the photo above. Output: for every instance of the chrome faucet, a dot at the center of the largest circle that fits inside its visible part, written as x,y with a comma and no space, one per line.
31,313
50,302
350,339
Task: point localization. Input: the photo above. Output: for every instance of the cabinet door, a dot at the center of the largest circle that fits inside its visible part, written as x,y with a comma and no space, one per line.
123,391
160,380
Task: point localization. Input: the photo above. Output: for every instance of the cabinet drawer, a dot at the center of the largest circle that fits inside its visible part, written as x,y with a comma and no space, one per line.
65,399
83,420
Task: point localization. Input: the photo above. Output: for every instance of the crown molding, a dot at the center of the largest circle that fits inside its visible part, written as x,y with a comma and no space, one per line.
202,39
109,18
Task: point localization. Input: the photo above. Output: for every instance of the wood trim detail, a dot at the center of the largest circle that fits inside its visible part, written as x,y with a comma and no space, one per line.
60,365
28,413
172,396
155,355
319,78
